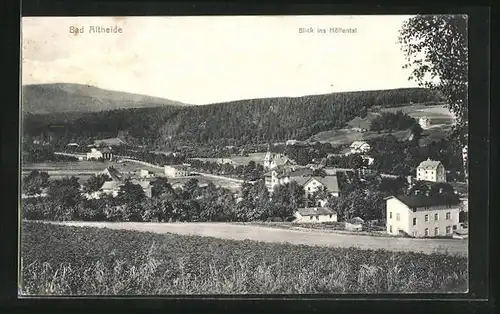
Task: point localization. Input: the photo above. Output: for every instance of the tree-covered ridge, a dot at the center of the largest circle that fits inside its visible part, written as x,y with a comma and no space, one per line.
232,123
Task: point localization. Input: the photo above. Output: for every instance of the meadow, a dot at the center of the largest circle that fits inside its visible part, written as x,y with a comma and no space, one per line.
92,261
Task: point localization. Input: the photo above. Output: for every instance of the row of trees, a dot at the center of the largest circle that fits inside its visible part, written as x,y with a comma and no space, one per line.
33,153
390,121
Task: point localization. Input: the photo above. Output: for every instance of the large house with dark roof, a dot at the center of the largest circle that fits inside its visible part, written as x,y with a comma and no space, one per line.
431,170
423,215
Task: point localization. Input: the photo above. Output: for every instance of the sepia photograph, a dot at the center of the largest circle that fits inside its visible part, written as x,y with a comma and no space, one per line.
243,155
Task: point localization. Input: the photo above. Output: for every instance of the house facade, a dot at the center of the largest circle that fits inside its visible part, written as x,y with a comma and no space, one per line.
315,215
431,170
176,171
422,216
94,154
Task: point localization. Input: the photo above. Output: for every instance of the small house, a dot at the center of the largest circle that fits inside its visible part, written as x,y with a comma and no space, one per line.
315,215
359,147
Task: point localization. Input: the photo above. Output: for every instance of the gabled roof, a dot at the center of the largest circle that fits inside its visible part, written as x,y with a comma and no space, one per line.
313,211
414,201
114,174
357,144
429,164
330,182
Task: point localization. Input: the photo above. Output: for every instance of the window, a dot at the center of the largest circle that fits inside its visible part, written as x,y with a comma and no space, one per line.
414,233
448,216
426,218
426,232
448,230
397,217
436,231
414,221
436,216
309,188
390,229
454,227
390,215
330,216
311,218
317,217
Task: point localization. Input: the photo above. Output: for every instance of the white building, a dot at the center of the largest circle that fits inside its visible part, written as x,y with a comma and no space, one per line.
422,216
226,161
146,173
431,170
359,147
354,224
315,215
274,160
94,154
424,122
292,142
176,171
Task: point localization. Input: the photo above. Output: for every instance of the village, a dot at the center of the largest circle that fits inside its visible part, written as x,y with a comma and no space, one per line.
418,214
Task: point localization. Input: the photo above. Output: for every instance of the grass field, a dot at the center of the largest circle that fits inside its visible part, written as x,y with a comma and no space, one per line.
83,261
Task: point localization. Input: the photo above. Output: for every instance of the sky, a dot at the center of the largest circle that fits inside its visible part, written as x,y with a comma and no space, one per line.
201,60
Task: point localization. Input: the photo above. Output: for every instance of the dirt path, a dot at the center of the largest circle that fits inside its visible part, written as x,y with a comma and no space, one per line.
269,234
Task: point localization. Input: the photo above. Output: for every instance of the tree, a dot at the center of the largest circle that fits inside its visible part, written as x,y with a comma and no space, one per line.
130,193
65,192
34,182
95,182
160,187
436,48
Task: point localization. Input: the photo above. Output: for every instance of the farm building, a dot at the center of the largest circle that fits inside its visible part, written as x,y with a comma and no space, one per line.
315,215
177,171
354,224
431,170
422,215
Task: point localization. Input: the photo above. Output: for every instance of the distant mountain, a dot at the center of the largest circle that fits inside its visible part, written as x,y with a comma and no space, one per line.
65,97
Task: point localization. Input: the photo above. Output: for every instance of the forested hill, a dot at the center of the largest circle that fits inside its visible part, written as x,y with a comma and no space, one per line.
65,97
237,122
